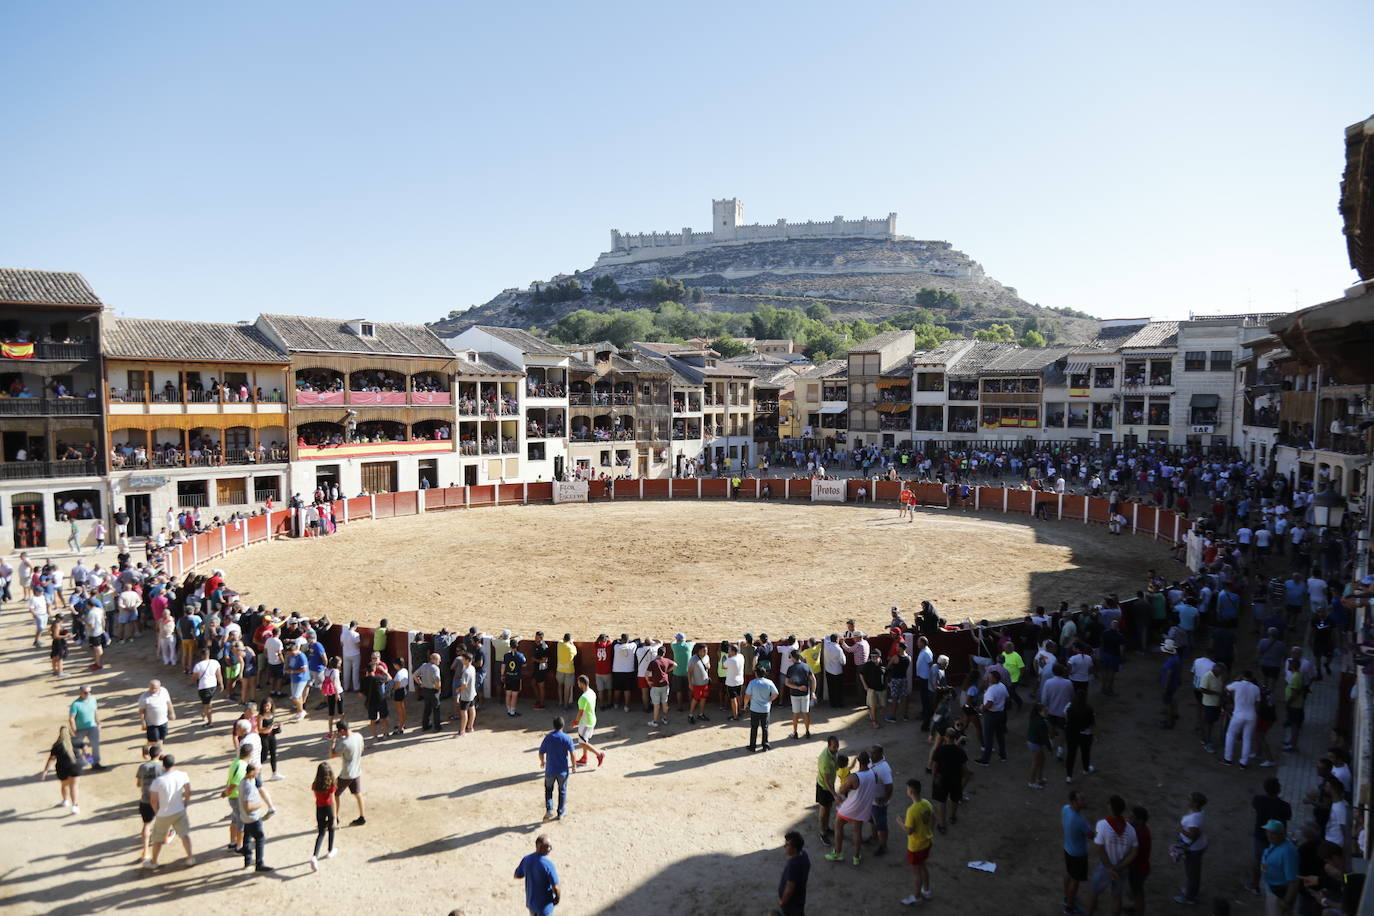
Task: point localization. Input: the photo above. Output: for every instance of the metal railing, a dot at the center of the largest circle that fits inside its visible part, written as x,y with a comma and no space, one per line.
44,407
27,470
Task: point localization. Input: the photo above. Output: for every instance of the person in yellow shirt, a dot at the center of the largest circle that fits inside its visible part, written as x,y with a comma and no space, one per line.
567,670
842,768
920,830
812,656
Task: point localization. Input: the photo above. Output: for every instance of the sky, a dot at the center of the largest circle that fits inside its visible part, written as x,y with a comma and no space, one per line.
398,161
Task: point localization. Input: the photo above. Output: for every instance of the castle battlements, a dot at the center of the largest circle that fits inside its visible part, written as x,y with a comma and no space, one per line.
728,228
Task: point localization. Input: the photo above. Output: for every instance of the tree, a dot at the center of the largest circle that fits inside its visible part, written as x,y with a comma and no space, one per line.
930,298
696,294
606,287
826,344
626,327
1032,339
674,319
997,333
665,288
727,346
580,326
930,336
819,311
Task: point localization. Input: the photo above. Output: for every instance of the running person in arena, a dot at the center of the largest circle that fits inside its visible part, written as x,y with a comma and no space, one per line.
584,723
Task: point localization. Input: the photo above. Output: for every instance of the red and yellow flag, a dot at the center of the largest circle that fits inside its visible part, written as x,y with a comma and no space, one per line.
16,350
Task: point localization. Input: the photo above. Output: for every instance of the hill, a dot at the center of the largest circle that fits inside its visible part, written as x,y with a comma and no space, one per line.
855,279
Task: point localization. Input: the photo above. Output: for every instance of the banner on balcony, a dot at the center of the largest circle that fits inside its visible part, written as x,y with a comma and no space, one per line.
1079,392
827,491
17,350
570,491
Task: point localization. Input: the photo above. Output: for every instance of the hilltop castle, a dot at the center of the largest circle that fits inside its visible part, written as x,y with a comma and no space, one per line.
728,228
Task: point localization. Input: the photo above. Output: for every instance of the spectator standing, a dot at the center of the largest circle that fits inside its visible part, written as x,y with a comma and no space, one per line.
1193,839
826,766
801,688
566,670
83,719
762,692
699,683
65,758
148,772
326,812
1116,844
995,719
556,760
429,680
1077,830
795,874
1279,869
350,641
832,660
542,890
171,793
657,673
253,808
155,712
1139,868
919,825
347,745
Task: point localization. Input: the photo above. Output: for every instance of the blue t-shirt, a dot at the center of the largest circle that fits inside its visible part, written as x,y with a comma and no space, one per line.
556,747
1280,863
540,877
296,665
1296,592
1228,605
1187,616
314,656
761,693
1076,832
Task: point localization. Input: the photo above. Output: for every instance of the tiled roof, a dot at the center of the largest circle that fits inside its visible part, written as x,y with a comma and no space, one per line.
879,341
827,369
331,335
524,340
1026,359
978,356
941,354
1154,334
487,363
188,341
45,287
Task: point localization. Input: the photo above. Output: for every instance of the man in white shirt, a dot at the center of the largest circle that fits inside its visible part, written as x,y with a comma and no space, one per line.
209,679
1316,592
994,718
155,711
832,662
351,642
1056,693
1245,697
38,610
272,647
171,793
924,659
734,678
623,671
1116,844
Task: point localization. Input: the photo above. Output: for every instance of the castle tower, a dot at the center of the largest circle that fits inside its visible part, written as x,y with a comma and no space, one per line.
726,216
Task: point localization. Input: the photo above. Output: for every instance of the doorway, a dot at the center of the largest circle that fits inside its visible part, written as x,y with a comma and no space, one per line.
26,514
139,508
429,473
643,465
470,475
558,467
379,477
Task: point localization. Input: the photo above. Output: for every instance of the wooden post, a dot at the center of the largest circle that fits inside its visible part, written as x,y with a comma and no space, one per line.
345,508
1157,523
195,553
496,494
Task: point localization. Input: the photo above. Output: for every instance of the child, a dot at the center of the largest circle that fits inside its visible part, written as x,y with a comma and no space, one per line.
326,811
841,769
332,688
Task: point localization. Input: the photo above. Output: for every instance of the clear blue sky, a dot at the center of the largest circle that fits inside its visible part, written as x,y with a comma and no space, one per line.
401,160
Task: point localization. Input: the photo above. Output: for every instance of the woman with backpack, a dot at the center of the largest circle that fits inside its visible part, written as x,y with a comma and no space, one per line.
332,688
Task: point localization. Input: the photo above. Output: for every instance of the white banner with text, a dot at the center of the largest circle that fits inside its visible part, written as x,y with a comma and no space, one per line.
828,491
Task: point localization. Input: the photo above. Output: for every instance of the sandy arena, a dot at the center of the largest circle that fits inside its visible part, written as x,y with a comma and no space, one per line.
681,820
710,569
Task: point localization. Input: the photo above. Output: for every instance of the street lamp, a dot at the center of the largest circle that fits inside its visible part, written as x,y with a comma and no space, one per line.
1328,508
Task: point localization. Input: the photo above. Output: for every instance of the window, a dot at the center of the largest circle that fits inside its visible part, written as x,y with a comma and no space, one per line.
1204,416
534,451
1221,360
1195,361
367,329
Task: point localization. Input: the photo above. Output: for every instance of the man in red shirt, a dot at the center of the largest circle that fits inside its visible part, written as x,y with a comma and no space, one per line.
604,653
657,675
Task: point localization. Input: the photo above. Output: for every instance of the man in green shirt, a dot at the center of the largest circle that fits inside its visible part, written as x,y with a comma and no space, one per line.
84,721
1294,699
237,768
682,656
585,721
379,637
826,765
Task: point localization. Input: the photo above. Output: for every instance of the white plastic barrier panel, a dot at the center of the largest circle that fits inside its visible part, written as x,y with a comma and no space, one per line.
828,491
570,491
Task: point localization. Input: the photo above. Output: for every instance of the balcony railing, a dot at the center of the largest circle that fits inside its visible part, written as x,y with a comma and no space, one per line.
1268,417
467,448
1078,422
67,352
580,399
49,407
193,500
766,407
377,398
27,470
206,459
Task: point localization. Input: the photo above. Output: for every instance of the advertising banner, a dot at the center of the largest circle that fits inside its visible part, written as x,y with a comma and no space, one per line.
570,491
827,491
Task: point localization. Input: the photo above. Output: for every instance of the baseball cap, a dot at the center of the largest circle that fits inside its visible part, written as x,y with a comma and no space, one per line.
1274,824
680,637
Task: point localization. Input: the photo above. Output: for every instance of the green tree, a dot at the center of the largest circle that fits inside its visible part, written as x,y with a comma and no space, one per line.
626,327
819,311
997,333
606,287
826,344
676,320
665,288
580,326
1032,339
930,336
696,294
728,346
944,299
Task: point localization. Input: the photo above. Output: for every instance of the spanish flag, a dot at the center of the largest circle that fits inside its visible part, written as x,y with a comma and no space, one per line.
16,350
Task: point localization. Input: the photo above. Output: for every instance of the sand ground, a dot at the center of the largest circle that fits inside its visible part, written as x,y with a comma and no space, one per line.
712,570
680,820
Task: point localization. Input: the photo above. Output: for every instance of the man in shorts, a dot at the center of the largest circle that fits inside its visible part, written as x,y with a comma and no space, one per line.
682,657
882,772
148,772
585,721
1077,830
604,653
801,689
826,766
171,793
512,665
949,762
348,746
272,649
734,679
657,674
465,691
298,675
698,682
209,679
919,825
155,711
566,669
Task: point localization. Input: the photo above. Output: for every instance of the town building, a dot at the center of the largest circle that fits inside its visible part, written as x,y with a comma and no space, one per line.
371,404
821,406
619,412
196,417
880,390
52,457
